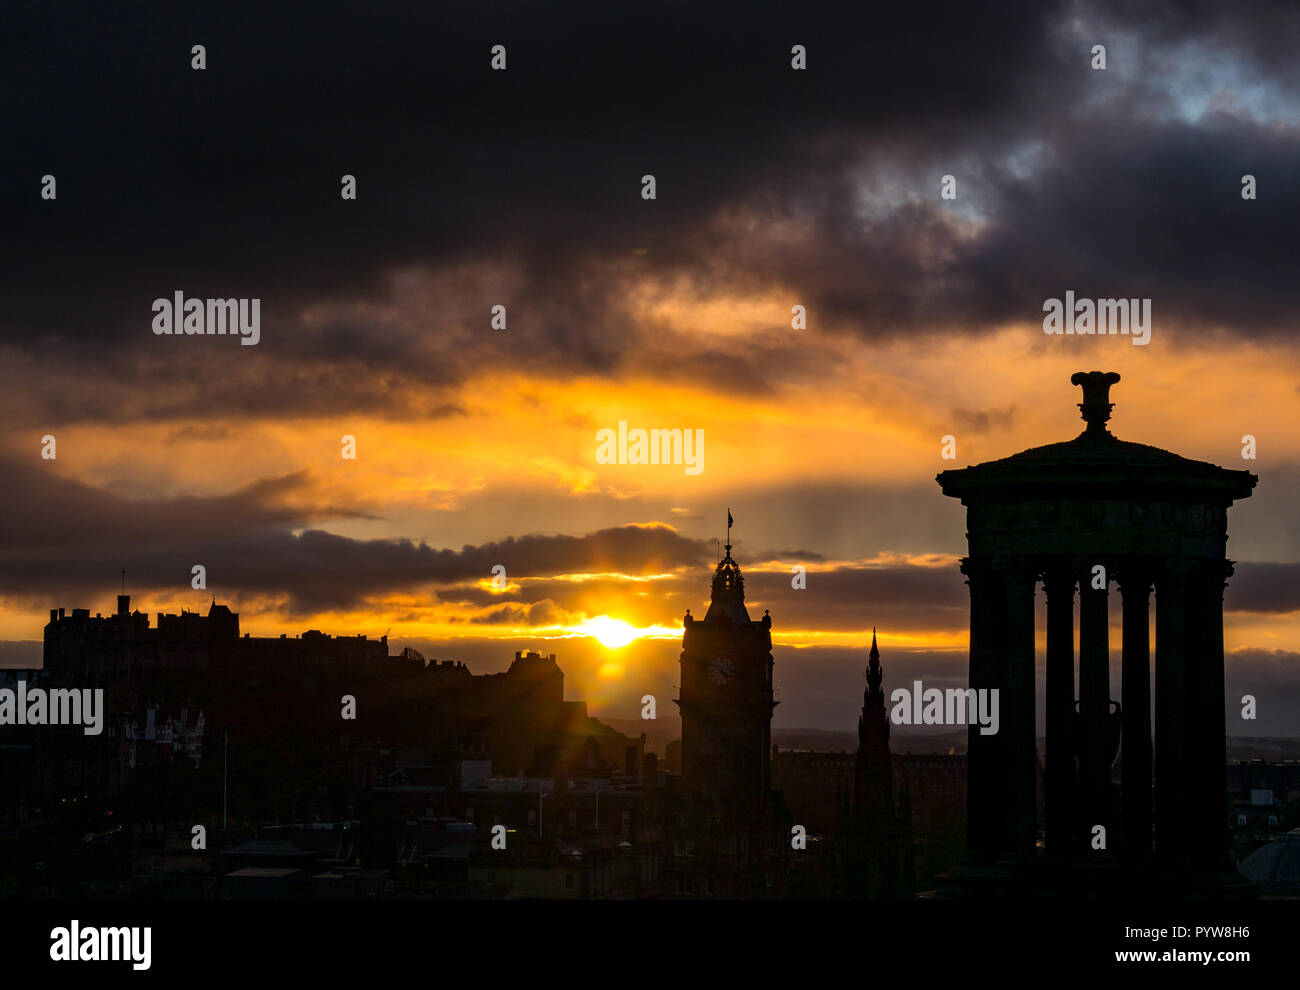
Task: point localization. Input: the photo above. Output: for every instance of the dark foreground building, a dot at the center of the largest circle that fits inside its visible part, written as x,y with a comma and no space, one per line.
303,722
1087,513
323,766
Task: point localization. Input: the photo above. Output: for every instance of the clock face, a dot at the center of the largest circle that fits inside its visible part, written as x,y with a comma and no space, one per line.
721,670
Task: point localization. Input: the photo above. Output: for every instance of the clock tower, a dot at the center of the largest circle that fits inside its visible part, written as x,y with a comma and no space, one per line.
728,831
726,695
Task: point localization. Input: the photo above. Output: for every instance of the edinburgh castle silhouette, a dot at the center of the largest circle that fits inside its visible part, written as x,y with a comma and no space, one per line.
244,734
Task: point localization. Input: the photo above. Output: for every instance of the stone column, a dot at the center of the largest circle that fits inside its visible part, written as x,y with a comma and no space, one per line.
985,782
1134,580
1204,740
1094,697
1059,787
1017,711
1171,713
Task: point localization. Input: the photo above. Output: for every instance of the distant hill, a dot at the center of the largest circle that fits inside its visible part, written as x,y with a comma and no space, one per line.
28,654
909,739
903,739
1271,748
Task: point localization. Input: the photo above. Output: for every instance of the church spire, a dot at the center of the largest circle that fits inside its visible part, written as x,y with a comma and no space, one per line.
873,858
873,764
873,725
874,674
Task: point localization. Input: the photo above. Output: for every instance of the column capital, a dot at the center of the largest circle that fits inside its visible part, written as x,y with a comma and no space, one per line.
1188,568
1211,577
1226,569
1015,566
1014,570
1173,570
977,571
1136,576
1083,568
1059,574
1019,574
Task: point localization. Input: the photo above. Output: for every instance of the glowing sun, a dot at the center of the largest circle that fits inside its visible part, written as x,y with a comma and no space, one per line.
611,633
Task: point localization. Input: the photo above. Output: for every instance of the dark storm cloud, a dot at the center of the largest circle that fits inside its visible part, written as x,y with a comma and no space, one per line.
899,596
47,513
523,186
225,182
1268,588
886,585
1264,32
568,593
1271,677
542,613
983,420
848,598
1154,210
65,537
452,158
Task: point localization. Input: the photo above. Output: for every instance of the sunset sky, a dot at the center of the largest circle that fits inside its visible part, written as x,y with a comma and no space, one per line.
476,447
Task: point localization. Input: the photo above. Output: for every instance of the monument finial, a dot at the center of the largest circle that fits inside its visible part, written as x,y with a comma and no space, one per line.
1096,404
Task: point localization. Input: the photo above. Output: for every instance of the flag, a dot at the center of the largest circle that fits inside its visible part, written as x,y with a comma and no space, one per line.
730,522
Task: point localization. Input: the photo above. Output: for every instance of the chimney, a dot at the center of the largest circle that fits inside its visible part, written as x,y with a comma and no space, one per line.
54,615
123,604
